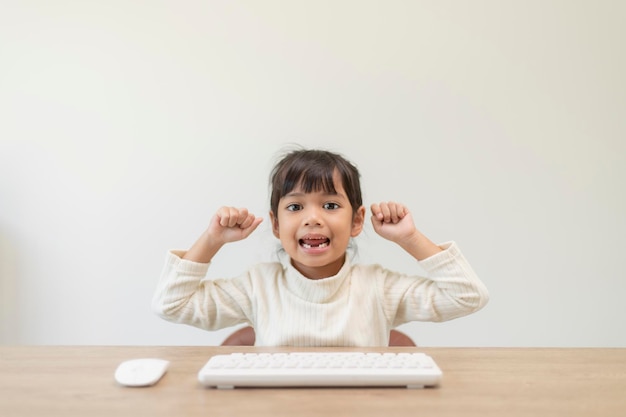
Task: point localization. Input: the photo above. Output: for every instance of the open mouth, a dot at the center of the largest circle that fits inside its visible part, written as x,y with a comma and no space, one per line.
314,242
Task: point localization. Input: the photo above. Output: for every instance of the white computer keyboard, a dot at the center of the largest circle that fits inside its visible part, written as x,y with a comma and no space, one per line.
320,369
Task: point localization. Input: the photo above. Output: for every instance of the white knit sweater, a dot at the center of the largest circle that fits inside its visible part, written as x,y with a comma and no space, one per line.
356,307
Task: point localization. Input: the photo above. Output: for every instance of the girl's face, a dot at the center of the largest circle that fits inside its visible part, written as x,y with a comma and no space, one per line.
315,229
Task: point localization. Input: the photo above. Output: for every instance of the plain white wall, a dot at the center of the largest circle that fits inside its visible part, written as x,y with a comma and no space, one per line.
125,124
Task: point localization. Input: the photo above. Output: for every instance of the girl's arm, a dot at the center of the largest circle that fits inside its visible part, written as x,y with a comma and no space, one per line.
452,289
182,296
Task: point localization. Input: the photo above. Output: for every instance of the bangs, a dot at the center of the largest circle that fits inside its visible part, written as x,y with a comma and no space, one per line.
311,179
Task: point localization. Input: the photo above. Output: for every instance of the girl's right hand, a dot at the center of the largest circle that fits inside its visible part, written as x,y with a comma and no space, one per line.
231,224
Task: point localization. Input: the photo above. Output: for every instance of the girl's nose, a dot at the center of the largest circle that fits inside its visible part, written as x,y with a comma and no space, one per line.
312,217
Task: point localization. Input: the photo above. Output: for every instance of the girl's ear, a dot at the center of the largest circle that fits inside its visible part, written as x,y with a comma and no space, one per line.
274,220
357,222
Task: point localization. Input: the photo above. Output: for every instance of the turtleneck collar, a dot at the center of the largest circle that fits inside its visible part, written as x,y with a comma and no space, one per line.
316,290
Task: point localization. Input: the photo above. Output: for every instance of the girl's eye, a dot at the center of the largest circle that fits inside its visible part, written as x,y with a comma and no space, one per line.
294,207
331,206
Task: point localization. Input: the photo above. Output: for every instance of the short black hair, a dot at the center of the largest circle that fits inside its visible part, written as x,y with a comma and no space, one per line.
314,170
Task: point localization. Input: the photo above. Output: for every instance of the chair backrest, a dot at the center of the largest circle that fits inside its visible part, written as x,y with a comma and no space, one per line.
246,337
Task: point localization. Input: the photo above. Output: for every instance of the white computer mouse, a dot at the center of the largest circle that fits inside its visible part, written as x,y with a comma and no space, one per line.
141,372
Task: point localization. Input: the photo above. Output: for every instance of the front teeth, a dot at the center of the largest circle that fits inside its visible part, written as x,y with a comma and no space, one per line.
321,245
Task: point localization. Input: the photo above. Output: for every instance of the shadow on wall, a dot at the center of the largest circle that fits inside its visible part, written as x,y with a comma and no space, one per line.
8,292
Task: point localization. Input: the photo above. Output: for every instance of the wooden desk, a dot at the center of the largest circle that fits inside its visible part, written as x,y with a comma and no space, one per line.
78,381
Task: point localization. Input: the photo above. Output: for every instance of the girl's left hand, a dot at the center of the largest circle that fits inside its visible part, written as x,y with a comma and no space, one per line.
393,221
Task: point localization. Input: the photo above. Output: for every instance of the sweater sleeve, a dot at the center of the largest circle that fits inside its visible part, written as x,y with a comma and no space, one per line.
184,295
451,290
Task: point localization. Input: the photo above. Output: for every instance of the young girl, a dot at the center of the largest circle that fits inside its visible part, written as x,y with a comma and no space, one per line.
317,297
